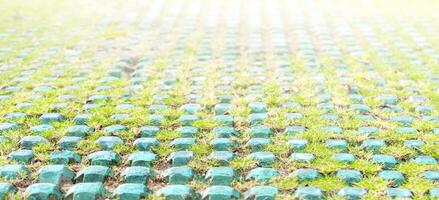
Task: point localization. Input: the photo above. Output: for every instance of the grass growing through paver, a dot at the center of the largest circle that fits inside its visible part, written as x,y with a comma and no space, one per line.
301,89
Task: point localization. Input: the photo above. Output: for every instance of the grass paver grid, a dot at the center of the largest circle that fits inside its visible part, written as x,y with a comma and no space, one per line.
219,99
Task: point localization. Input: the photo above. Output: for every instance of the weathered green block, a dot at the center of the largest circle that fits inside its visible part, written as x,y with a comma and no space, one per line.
55,174
86,191
131,191
137,174
43,191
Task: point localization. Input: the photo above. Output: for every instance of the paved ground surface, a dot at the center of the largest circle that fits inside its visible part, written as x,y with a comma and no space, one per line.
219,99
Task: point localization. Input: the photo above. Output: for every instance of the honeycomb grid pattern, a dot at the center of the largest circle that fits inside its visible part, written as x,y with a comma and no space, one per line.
219,100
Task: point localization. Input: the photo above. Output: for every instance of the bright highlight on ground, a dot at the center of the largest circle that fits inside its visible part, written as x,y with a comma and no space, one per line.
219,99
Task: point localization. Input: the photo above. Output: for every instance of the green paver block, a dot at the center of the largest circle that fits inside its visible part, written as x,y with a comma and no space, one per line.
225,120
430,175
27,142
82,119
180,158
225,132
387,99
190,108
406,130
258,107
97,98
339,144
55,174
263,158
115,72
434,193
309,193
404,120
256,118
114,129
293,116
324,98
193,97
182,143
307,174
364,117
131,191
361,108
373,145
425,110
178,192
333,129
367,130
4,97
220,192
64,157
352,193
13,116
260,131
330,117
343,157
157,107
393,108
356,98
108,142
224,157
425,160
86,191
104,80
291,104
41,128
262,174
297,144
414,144
7,190
23,156
42,88
43,191
349,176
48,118
79,130
399,193
225,98
222,108
125,106
258,144
142,158
104,158
94,173
69,142
387,161
179,175
6,126
303,157
293,130
222,144
221,175
326,106
187,120
395,176
145,143
261,193
149,131
169,80
138,174
120,117
188,131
